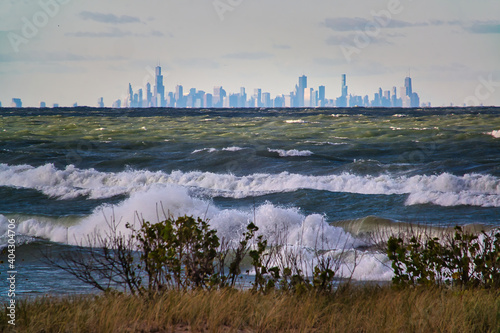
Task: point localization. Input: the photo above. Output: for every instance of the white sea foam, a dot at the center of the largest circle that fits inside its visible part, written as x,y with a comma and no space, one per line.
210,150
302,233
295,121
495,134
234,148
323,143
213,150
290,153
444,189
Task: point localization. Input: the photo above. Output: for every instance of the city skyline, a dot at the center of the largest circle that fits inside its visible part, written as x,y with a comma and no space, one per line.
66,51
302,96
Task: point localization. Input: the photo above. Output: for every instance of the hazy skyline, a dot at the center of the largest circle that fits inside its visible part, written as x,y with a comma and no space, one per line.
81,50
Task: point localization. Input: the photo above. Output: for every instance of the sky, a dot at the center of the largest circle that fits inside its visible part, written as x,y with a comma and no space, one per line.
75,51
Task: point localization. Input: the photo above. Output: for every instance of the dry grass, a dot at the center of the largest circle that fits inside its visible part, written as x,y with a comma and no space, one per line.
359,309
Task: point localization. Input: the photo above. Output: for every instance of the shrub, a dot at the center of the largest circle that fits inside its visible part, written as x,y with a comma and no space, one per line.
185,253
462,259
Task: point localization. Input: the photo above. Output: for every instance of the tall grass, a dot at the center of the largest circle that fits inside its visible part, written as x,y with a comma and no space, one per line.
355,309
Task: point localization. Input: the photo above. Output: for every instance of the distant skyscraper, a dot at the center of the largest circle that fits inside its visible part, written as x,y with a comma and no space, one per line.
303,82
287,103
179,96
149,95
301,91
415,100
140,102
342,100
135,100
159,93
16,103
218,98
130,97
321,96
117,104
207,100
266,100
257,95
43,105
100,102
242,98
408,87
411,99
344,85
394,97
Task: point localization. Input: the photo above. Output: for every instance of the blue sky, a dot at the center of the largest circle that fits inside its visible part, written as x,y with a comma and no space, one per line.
67,51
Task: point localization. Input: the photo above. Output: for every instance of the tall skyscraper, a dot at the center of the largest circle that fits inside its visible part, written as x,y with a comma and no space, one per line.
207,100
301,91
394,97
242,98
303,82
159,94
43,105
321,96
149,95
100,102
266,100
257,95
141,99
408,88
344,85
179,96
342,100
130,98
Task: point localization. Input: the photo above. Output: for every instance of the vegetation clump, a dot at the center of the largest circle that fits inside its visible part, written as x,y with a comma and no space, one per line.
463,259
184,253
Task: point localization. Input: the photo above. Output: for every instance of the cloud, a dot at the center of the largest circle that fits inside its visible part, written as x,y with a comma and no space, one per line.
347,24
343,24
198,62
108,18
114,33
156,33
53,57
328,62
249,55
281,46
484,28
351,38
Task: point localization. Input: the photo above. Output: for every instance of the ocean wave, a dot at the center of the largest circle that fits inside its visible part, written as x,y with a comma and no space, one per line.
209,150
290,153
304,234
444,189
213,150
323,143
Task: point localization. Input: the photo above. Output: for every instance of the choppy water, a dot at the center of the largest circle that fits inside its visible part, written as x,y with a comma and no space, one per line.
332,172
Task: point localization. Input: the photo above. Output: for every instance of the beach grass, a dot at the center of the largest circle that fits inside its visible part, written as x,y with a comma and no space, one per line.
353,309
